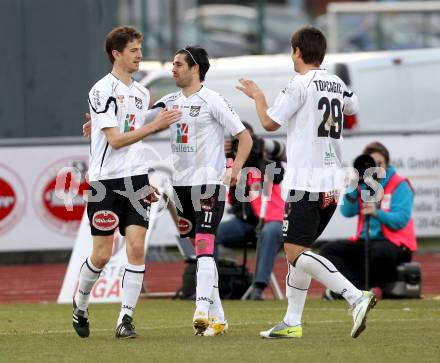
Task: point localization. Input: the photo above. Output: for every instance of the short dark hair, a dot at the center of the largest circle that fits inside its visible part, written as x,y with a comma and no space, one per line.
312,44
377,147
195,54
118,39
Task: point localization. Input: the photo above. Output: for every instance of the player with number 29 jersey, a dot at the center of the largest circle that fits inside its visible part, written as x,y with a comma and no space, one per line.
312,106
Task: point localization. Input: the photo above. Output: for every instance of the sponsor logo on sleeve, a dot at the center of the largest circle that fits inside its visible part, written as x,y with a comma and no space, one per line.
229,105
96,98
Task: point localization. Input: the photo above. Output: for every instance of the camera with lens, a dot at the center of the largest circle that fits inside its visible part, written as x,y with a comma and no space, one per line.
362,163
263,152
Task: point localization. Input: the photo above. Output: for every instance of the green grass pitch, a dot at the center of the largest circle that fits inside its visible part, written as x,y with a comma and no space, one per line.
397,331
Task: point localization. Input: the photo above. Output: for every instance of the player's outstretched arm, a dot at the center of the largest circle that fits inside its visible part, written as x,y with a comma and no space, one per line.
163,120
244,148
250,89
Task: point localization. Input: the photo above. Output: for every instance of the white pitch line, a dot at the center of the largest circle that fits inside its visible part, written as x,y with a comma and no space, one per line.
188,327
347,309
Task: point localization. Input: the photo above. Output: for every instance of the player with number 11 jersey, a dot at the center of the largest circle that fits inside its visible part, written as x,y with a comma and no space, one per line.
197,142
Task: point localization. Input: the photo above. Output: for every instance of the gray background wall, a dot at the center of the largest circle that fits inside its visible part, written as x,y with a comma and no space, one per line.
52,53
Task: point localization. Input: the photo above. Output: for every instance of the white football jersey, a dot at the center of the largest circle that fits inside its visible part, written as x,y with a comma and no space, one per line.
197,139
113,104
312,105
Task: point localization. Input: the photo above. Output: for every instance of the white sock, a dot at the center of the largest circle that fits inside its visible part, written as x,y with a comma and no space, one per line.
325,272
88,274
205,282
131,288
297,285
216,308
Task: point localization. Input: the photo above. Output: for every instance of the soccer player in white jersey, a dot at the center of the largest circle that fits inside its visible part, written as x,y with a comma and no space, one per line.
118,107
197,142
312,107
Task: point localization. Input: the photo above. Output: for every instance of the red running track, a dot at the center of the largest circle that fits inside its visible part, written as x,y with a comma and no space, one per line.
42,282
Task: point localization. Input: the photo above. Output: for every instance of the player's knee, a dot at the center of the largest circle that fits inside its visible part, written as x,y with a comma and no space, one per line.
100,259
292,252
136,251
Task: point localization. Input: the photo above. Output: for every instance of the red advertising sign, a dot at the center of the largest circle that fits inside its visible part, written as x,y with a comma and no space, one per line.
12,199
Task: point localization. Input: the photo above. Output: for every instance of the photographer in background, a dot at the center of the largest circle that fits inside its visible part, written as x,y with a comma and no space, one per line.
391,229
245,226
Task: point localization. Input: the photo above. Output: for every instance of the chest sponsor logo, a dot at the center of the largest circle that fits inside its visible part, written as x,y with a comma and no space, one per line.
12,199
182,133
194,111
60,194
129,122
138,102
105,220
175,107
182,140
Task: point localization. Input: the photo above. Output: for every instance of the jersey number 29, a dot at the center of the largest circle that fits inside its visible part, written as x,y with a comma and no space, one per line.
332,107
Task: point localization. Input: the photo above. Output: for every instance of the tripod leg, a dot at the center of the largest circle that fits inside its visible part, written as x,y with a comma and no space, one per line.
248,292
276,291
367,253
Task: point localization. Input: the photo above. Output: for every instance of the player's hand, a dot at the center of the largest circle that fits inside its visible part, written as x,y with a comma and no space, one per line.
87,127
231,177
165,118
369,209
249,88
152,194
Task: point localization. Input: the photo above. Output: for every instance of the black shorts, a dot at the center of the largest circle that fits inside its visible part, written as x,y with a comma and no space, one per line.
115,209
306,217
196,213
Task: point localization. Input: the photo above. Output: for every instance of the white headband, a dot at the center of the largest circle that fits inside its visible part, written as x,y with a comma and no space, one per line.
186,50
